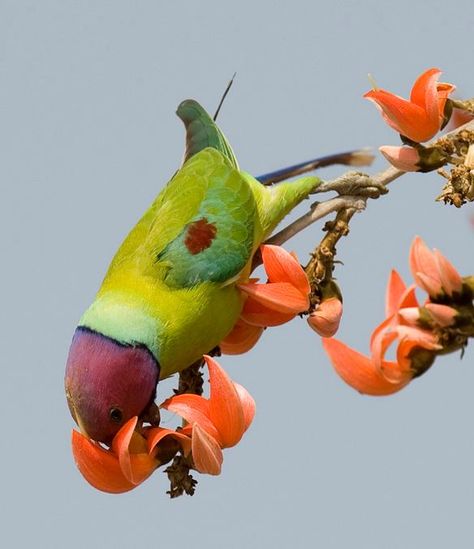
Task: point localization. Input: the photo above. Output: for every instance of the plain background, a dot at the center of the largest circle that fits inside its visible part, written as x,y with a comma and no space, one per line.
88,136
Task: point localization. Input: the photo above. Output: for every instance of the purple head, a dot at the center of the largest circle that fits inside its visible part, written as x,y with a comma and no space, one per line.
107,383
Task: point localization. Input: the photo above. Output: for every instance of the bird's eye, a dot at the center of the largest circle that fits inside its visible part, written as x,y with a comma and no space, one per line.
116,415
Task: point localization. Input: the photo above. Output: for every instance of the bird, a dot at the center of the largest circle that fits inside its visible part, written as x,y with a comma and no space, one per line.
171,292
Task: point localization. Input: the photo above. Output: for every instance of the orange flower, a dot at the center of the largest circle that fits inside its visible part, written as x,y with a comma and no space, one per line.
214,423
422,116
375,375
128,462
285,295
432,271
286,292
217,422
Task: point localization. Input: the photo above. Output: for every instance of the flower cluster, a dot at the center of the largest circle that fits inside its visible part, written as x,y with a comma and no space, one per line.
285,295
218,422
420,331
211,425
417,120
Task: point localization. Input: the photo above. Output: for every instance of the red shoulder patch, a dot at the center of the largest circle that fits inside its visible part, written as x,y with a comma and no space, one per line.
199,235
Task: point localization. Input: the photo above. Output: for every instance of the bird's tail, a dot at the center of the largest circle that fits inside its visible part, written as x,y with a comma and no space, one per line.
202,132
362,157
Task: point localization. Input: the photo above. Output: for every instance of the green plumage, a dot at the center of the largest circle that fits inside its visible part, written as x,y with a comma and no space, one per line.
171,285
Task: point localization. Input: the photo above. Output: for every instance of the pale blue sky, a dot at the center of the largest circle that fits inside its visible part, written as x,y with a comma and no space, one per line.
88,136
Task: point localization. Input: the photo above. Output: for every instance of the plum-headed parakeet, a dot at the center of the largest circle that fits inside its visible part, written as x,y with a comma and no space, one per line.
170,293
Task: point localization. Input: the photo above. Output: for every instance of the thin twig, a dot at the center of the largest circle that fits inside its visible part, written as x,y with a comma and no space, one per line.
318,211
358,181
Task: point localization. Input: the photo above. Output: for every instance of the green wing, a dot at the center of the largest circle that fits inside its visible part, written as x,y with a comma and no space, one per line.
206,222
203,226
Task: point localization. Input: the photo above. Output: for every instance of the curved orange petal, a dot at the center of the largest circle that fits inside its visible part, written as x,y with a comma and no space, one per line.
404,116
432,286
381,338
280,296
225,407
207,454
257,314
248,404
357,370
421,338
101,467
120,446
241,339
444,90
282,266
424,267
194,409
143,466
395,289
408,298
450,278
156,434
396,373
405,348
425,94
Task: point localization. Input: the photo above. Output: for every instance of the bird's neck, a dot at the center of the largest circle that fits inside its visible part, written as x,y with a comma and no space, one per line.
123,321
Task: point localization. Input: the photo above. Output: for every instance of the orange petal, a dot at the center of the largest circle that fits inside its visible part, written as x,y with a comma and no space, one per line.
402,158
248,404
425,94
281,266
156,434
207,454
257,314
120,446
325,320
444,90
421,338
450,278
194,409
395,373
422,259
432,286
101,467
241,339
381,338
424,267
225,407
405,348
395,289
280,296
357,370
404,116
408,298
